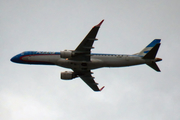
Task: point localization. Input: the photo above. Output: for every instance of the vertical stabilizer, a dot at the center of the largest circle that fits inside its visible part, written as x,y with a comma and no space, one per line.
149,47
152,53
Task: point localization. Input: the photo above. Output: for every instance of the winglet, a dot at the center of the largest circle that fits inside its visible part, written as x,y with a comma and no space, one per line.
102,88
98,25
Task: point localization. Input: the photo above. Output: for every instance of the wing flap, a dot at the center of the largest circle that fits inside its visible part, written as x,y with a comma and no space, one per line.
90,82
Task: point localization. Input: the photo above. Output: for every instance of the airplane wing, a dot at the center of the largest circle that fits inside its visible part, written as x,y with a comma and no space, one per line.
84,48
83,53
88,79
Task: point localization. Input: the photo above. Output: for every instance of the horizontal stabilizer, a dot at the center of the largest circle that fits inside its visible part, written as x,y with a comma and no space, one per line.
154,66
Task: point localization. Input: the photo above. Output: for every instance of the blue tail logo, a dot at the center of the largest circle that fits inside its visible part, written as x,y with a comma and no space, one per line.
148,48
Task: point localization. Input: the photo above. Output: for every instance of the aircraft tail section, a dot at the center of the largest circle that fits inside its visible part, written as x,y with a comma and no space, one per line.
152,53
149,52
148,48
154,66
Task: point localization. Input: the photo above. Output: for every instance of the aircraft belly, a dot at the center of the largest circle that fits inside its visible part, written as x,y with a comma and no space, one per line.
98,62
80,65
121,62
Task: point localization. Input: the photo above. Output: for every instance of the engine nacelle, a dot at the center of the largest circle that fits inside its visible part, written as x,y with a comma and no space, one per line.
68,75
67,54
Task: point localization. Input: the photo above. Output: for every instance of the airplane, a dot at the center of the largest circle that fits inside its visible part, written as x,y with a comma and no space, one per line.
82,61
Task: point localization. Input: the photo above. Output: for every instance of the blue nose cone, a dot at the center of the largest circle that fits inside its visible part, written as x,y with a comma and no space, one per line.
15,59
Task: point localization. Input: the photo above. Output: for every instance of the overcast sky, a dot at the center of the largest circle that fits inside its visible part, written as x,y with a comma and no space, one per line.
31,92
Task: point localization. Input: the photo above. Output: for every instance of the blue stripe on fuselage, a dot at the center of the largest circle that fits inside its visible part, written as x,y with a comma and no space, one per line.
39,53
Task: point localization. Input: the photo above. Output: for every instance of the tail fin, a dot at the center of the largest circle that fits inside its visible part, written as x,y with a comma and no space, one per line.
150,53
149,47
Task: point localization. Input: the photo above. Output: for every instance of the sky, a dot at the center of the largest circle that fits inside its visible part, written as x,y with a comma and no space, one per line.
32,92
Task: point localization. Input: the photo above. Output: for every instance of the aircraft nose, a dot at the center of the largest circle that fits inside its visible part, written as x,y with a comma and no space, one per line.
15,59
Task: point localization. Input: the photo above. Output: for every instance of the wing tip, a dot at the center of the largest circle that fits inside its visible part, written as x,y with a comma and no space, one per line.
102,88
98,25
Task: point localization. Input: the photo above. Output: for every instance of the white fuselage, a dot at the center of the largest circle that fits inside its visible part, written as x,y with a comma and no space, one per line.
97,61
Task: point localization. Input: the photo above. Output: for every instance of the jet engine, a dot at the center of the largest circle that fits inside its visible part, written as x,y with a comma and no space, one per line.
68,75
67,54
